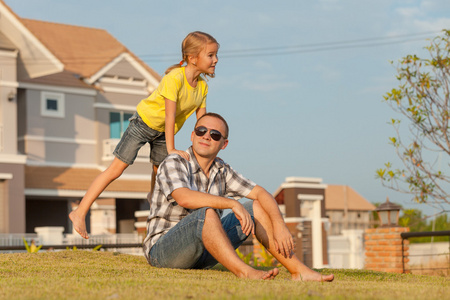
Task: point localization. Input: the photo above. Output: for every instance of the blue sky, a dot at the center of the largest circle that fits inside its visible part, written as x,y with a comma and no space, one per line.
301,83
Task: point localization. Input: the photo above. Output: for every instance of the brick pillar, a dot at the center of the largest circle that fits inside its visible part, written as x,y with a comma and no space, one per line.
383,247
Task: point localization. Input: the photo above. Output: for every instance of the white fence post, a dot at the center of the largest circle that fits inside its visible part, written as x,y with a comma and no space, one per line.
50,235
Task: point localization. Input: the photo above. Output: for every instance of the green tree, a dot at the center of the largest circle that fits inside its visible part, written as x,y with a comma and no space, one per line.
423,99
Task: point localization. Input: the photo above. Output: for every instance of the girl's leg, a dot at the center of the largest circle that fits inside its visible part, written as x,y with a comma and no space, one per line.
99,184
155,169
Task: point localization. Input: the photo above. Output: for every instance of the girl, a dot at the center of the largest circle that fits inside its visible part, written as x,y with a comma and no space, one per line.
159,117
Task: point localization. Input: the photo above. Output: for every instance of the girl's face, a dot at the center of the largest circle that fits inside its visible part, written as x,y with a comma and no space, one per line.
207,58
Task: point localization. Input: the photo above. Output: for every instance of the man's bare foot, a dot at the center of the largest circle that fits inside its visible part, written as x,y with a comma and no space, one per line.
264,275
79,224
313,276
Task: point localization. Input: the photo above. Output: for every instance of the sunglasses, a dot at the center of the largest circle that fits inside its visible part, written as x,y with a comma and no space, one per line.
214,134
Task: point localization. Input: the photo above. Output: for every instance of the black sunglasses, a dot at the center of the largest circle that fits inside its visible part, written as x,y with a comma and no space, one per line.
214,134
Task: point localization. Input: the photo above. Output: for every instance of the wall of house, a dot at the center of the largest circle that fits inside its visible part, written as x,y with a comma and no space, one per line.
354,220
13,203
68,140
8,105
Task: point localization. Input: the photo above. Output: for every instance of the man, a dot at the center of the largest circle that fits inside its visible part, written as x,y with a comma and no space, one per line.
186,229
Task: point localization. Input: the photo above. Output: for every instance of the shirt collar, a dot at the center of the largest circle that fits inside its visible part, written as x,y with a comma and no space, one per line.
217,164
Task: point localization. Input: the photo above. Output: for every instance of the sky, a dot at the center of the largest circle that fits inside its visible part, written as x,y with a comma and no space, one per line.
301,83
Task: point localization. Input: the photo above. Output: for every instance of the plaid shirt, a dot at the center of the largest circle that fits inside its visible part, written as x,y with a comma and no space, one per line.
176,172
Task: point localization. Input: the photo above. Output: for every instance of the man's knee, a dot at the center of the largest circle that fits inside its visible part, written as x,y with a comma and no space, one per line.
211,214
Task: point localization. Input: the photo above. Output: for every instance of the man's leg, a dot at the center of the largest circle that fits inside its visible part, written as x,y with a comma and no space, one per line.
188,242
219,246
264,233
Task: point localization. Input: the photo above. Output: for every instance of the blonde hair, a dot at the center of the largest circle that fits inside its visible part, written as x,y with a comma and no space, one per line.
192,45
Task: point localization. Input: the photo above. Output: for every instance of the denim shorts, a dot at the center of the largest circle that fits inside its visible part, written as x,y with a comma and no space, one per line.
136,136
182,247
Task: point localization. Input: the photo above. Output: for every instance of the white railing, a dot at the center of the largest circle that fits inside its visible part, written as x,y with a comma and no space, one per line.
103,239
110,144
16,239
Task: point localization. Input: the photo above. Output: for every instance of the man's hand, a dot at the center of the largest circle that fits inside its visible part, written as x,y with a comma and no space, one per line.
183,154
244,218
284,243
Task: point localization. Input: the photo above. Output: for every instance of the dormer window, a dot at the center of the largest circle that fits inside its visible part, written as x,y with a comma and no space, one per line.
52,104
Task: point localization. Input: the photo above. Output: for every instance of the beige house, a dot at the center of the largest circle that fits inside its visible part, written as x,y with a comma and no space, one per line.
346,209
66,94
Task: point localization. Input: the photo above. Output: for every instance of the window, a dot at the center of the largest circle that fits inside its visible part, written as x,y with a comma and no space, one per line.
118,123
52,105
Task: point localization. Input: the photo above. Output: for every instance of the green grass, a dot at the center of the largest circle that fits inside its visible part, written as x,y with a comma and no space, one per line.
106,275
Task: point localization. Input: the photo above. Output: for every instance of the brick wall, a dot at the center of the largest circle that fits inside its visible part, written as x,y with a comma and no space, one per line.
383,247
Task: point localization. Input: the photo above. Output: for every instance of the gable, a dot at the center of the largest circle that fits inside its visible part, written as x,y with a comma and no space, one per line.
5,43
82,50
124,69
31,50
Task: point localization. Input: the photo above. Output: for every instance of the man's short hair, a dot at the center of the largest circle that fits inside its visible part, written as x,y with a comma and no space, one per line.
217,116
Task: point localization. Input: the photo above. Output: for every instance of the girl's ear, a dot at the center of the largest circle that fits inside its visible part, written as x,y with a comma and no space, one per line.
192,60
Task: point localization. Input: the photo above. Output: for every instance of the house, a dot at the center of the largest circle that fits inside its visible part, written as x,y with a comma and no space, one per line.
301,202
315,211
346,209
66,94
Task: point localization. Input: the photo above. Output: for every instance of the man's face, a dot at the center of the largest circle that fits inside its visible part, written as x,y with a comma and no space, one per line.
204,145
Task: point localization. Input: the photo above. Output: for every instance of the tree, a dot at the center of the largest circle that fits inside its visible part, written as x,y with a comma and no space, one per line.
423,99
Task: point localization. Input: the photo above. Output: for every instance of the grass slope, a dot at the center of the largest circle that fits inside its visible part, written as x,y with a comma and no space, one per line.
106,275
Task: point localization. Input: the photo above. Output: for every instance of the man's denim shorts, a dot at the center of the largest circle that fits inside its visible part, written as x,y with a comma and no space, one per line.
182,246
136,135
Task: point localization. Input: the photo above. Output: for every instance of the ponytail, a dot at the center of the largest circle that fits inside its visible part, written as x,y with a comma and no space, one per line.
174,67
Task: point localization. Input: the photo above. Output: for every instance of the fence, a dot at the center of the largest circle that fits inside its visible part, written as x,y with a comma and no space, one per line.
346,251
122,242
407,235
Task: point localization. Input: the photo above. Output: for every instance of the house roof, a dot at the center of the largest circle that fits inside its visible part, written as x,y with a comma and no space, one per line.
64,78
340,197
76,179
82,50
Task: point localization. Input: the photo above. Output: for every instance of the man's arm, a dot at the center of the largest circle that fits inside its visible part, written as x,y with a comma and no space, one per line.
193,199
284,242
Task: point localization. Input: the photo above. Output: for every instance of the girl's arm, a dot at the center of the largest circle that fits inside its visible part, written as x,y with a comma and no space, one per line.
171,109
200,112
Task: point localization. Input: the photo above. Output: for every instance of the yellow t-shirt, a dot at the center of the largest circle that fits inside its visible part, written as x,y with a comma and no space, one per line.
174,87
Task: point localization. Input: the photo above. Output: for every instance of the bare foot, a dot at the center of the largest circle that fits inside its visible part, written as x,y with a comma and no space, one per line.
257,274
79,224
311,275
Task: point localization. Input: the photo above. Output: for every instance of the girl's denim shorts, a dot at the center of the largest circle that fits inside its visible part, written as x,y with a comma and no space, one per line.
136,135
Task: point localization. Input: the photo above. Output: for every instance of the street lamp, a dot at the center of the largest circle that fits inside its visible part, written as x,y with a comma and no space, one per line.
388,214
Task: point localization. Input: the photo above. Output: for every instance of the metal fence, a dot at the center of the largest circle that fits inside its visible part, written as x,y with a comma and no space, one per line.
407,235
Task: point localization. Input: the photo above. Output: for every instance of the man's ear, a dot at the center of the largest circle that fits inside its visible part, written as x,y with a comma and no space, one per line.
225,144
192,136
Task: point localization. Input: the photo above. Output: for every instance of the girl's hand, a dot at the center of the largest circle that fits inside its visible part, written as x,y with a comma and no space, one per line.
183,154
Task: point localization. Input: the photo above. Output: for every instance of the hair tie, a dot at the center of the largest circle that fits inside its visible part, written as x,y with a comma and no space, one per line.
181,62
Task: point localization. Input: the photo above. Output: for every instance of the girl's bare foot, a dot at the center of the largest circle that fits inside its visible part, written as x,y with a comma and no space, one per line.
313,276
79,224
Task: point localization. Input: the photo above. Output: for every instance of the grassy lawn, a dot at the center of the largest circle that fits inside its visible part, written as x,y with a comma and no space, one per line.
106,275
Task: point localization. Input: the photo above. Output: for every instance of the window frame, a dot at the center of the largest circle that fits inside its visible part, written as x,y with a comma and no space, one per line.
60,111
